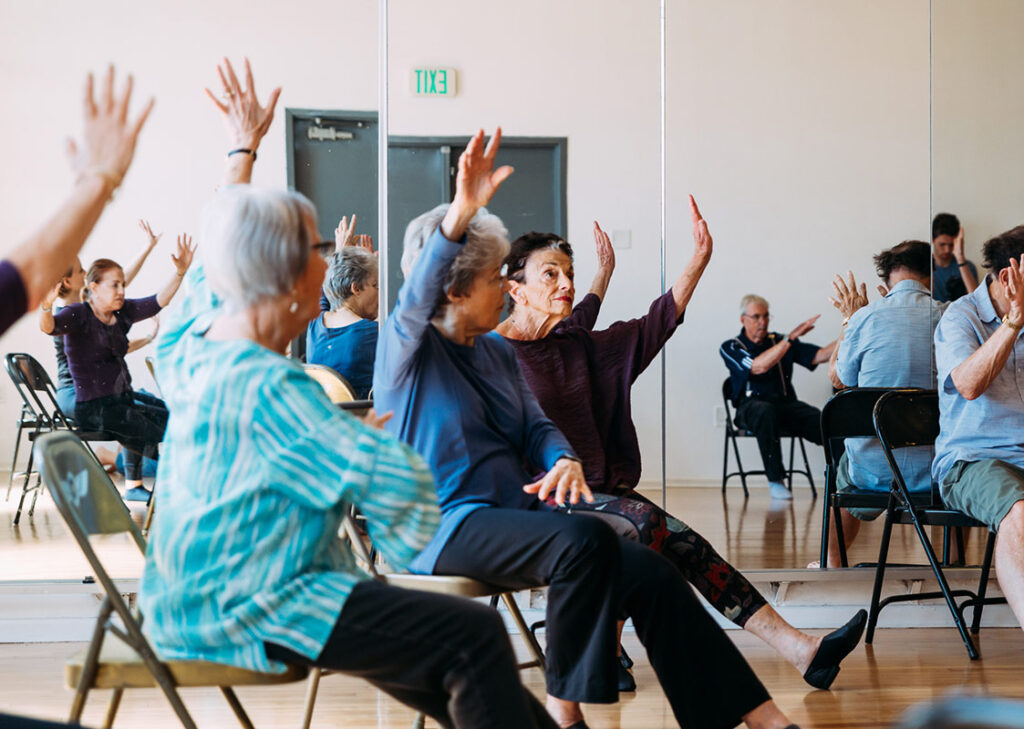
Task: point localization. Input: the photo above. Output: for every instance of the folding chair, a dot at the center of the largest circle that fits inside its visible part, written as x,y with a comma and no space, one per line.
904,418
39,407
120,656
733,433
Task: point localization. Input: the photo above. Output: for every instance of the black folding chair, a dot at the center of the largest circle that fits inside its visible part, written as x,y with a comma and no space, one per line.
119,656
904,418
734,432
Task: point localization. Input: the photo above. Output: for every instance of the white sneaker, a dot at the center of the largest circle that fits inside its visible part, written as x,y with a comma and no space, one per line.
779,491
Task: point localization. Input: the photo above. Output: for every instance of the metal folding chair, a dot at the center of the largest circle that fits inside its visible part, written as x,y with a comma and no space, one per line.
119,656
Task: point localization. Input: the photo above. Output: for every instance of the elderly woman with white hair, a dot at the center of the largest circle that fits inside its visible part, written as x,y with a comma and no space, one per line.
460,400
245,566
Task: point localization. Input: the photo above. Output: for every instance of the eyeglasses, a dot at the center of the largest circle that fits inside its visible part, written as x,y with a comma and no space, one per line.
759,317
325,248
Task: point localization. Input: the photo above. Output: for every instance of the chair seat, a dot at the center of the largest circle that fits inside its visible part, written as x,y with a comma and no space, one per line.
120,666
446,584
880,499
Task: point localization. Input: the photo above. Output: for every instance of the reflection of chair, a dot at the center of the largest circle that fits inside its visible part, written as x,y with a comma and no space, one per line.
336,386
733,432
904,418
120,657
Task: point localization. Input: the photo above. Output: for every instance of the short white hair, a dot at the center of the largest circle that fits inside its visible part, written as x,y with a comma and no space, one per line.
486,242
752,299
255,243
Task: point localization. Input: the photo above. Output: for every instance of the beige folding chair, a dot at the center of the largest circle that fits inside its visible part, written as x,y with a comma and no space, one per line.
120,656
336,386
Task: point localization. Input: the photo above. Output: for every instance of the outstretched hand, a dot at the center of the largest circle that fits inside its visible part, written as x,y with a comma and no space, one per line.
803,327
958,246
373,420
702,242
565,478
108,137
244,119
153,239
605,251
1013,289
182,259
848,298
477,180
345,233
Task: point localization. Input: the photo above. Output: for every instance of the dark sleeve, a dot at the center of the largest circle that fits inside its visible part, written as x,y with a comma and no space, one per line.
13,296
739,361
652,331
138,309
544,443
804,354
69,319
584,314
325,305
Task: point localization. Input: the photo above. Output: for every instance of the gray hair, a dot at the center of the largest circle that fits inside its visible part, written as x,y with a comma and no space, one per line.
345,269
255,243
752,299
486,242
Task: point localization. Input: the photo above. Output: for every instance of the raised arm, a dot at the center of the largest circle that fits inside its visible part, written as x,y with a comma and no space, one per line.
964,266
100,162
182,259
684,286
773,355
475,183
605,262
135,266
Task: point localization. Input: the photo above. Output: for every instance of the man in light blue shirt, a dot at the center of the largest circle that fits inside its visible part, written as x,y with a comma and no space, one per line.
887,343
979,455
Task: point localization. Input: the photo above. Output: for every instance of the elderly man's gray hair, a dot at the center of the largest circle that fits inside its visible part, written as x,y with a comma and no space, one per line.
255,243
347,268
486,245
752,299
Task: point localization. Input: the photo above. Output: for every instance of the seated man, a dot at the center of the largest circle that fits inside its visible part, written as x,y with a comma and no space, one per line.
979,455
954,274
887,343
761,369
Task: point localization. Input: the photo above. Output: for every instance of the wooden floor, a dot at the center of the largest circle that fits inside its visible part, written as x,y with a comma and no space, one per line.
754,533
876,685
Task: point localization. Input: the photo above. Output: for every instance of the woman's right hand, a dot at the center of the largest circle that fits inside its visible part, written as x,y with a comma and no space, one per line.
244,119
564,479
475,183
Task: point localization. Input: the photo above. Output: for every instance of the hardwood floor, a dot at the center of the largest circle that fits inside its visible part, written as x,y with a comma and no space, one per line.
876,685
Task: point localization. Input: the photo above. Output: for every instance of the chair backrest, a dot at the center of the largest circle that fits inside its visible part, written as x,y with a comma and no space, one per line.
903,418
336,386
727,399
36,388
848,414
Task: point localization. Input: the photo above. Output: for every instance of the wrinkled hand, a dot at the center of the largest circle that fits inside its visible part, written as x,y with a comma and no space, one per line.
373,420
345,233
566,477
244,119
882,290
848,298
477,180
366,243
803,327
702,242
605,251
1013,289
108,138
182,259
958,246
153,239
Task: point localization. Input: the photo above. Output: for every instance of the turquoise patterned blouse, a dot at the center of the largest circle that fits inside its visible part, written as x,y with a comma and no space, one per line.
256,473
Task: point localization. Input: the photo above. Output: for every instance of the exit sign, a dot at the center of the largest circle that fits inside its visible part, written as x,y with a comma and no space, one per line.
433,81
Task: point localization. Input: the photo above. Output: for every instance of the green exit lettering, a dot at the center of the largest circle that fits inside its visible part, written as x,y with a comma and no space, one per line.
433,81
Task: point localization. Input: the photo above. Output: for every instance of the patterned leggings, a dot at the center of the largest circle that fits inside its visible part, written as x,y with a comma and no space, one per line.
721,584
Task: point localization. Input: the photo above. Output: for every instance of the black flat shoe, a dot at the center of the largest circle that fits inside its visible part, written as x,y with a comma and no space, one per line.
833,649
624,658
626,681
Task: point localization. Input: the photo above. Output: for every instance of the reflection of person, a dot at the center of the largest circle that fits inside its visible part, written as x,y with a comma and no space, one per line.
100,161
344,336
96,341
264,469
761,370
954,275
583,380
887,343
979,456
460,399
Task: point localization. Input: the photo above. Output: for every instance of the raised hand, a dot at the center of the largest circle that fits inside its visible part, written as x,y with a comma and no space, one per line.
344,234
803,327
373,420
153,239
477,180
958,247
182,259
702,242
108,137
565,478
366,243
605,251
52,295
1013,289
244,119
848,298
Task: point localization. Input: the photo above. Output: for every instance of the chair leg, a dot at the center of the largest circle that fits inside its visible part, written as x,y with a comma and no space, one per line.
236,706
115,702
840,536
35,496
883,554
807,467
25,488
961,558
524,630
725,460
90,665
739,467
166,684
419,722
14,461
789,472
825,518
311,690
149,513
986,566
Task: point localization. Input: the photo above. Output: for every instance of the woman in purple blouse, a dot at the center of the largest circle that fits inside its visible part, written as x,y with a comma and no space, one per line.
582,379
95,342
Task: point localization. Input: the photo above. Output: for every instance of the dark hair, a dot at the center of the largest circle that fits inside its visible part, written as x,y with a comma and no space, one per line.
999,250
521,250
96,271
945,224
913,255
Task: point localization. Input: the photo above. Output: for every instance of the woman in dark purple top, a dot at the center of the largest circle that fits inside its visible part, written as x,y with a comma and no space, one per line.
583,378
95,343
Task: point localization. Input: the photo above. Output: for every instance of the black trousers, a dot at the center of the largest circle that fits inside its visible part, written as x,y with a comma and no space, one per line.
447,657
766,419
135,419
595,577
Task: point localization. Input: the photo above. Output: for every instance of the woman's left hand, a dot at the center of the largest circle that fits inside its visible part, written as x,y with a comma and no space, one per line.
565,477
186,250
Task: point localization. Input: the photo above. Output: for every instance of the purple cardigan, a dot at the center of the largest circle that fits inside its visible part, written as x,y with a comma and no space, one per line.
583,379
13,297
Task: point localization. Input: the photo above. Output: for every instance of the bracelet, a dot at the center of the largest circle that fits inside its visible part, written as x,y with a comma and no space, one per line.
47,309
846,321
1007,322
791,341
961,265
243,150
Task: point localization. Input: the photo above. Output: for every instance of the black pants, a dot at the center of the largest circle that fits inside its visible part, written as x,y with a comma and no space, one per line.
137,420
766,419
445,656
594,577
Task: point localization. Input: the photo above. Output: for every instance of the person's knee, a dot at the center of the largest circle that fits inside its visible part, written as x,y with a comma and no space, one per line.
480,623
1014,519
589,541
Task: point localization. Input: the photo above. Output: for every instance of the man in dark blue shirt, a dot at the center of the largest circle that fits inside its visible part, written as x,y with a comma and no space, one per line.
761,371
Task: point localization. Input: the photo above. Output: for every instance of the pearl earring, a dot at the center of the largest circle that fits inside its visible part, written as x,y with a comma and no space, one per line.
294,307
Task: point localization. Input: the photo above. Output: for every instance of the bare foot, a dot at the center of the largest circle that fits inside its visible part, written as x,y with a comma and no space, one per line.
565,713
